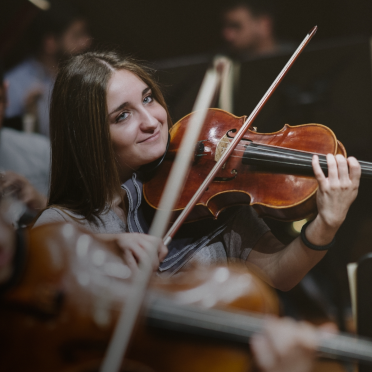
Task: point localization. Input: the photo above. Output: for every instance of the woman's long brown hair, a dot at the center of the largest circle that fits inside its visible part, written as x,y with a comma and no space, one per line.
84,175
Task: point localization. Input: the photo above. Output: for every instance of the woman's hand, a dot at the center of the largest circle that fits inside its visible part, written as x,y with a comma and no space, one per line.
138,248
285,345
338,190
334,197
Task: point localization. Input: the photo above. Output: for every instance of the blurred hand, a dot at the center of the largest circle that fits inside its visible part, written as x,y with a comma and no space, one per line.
7,248
285,345
24,191
137,248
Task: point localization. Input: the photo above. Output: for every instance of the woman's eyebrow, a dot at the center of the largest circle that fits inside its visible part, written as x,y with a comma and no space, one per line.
118,108
146,90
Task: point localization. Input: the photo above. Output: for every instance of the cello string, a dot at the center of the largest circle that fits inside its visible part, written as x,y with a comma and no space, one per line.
245,324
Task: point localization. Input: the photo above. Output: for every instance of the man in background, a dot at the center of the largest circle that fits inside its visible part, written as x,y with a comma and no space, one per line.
248,28
24,163
55,34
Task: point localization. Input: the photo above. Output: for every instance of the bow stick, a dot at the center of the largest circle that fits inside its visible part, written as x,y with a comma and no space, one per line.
173,188
181,218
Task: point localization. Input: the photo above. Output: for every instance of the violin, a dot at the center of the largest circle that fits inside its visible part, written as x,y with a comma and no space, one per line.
272,172
62,312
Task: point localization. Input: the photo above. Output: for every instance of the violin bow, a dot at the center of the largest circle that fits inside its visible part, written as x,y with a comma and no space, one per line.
173,188
182,217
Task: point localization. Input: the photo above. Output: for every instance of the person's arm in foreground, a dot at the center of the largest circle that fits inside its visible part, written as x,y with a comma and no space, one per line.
285,345
25,192
137,247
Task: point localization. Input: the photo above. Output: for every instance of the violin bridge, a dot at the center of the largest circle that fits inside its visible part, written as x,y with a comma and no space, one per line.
222,145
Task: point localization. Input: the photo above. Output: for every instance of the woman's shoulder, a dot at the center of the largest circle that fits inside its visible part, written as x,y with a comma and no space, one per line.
107,223
52,214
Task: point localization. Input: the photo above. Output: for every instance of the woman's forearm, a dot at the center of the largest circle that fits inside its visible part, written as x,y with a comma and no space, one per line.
284,266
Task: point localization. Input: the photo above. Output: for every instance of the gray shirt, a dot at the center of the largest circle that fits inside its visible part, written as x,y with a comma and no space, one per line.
26,154
235,243
110,223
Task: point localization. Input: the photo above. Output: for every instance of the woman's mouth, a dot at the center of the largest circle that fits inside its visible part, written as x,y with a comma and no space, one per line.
151,138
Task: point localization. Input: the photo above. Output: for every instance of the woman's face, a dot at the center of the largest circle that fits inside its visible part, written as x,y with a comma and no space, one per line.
138,123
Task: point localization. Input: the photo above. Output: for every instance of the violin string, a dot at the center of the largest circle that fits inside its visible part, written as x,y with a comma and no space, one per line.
305,156
282,152
366,166
272,148
278,150
300,155
322,161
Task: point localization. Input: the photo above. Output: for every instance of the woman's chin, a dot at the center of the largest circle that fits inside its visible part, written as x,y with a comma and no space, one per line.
157,152
153,157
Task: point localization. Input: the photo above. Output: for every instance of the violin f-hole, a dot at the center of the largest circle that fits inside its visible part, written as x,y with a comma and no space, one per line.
229,134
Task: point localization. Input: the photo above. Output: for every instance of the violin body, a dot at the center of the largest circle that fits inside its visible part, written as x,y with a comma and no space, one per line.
272,191
61,314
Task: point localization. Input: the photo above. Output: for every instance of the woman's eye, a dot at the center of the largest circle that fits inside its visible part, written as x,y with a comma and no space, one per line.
122,116
148,99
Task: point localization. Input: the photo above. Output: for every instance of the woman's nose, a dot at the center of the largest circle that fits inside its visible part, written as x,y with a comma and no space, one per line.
148,121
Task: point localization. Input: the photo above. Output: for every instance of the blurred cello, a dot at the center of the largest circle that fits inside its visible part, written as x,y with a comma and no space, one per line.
61,313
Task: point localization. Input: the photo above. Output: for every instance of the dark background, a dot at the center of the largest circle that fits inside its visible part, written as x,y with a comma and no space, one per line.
161,29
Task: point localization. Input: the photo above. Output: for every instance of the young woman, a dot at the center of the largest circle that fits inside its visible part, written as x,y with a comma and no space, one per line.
109,123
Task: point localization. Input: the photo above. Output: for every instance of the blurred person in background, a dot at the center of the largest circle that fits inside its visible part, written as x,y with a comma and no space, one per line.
56,34
248,28
24,162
